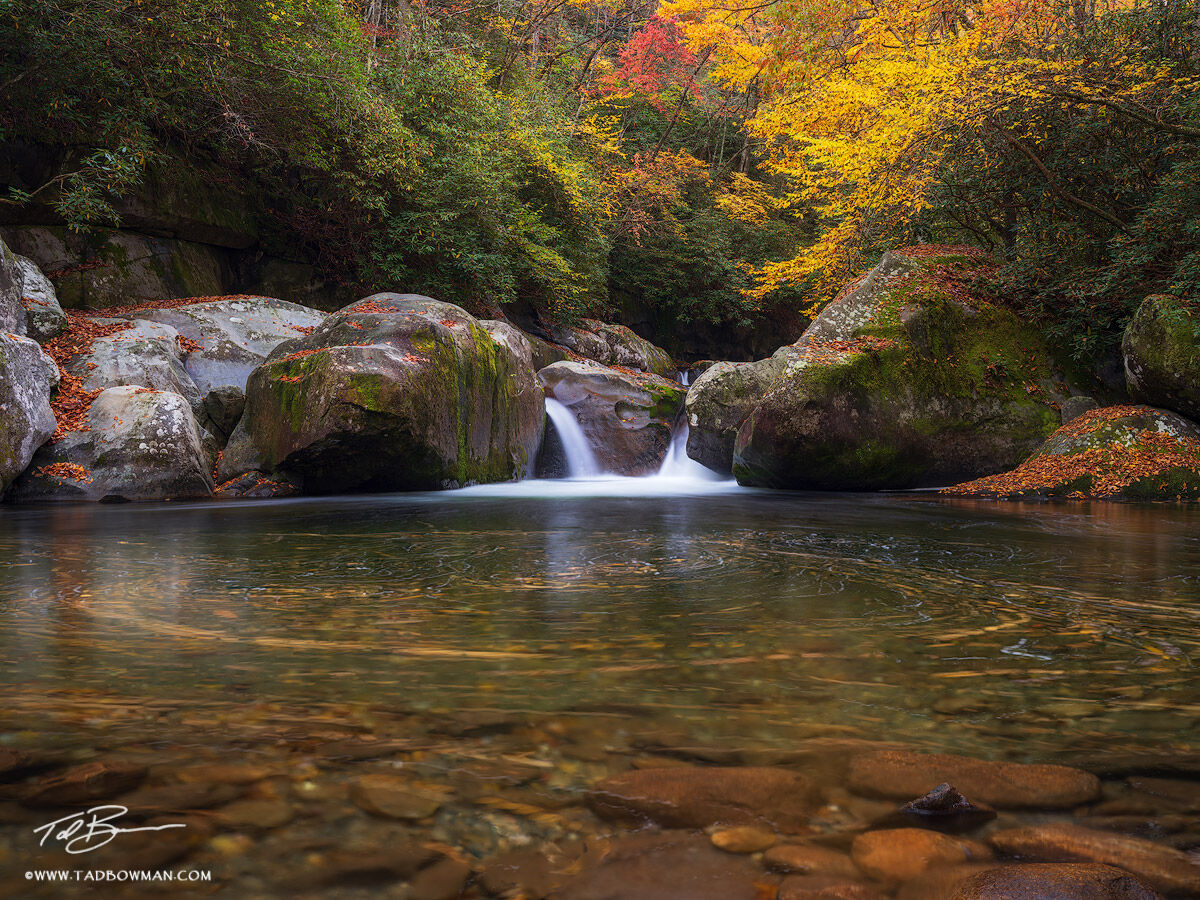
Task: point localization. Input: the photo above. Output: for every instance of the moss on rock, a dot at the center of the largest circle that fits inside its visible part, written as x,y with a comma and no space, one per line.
1161,347
910,378
1112,453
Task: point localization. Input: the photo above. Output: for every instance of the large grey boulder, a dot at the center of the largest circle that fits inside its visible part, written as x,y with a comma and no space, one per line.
1161,347
144,354
139,444
395,392
720,400
234,336
626,417
12,313
27,376
906,380
614,345
44,317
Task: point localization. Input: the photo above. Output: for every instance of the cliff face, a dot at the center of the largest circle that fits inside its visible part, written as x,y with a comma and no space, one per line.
187,231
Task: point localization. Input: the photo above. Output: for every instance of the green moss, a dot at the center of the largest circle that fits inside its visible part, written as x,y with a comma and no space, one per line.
1175,483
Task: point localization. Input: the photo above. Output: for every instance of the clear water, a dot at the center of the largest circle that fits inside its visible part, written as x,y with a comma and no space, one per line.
1031,631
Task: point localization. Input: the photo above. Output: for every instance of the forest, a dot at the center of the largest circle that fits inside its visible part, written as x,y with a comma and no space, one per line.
692,166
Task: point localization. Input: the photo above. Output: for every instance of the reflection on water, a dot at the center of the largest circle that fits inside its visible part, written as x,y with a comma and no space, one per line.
991,629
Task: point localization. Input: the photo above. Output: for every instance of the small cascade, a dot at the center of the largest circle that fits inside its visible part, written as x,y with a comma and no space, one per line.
581,461
685,377
677,464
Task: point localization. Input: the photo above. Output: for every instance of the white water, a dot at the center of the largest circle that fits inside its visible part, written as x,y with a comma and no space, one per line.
678,475
581,461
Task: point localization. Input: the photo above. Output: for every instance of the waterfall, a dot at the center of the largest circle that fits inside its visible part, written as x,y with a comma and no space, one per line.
685,377
677,464
581,462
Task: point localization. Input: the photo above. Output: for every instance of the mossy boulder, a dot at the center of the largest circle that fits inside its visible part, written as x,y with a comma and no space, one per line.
614,345
1162,354
395,392
626,416
720,400
1112,453
907,379
27,376
139,444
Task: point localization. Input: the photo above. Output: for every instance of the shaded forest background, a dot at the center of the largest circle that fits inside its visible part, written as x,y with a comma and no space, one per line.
692,167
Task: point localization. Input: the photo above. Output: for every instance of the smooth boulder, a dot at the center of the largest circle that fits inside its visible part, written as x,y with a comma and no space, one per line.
1027,881
626,417
902,774
44,317
700,796
138,444
1165,868
27,376
908,379
12,313
394,392
1161,349
230,337
614,345
144,354
720,400
1111,453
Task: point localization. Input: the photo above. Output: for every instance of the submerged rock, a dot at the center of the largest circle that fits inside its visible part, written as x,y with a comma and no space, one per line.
138,444
626,416
395,392
943,809
697,797
27,376
668,866
1161,348
614,345
1113,453
1018,881
907,379
899,774
901,854
1164,868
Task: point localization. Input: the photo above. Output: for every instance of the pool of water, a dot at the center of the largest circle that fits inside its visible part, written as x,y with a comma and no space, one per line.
1031,631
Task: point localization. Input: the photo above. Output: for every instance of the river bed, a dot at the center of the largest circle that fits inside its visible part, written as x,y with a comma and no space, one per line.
519,642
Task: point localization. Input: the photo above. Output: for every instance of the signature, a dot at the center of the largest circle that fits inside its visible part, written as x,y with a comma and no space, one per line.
91,829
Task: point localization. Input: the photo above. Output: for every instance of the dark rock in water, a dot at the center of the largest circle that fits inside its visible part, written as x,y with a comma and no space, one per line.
222,410
1165,868
943,809
900,774
395,392
83,784
697,797
1029,881
626,416
668,866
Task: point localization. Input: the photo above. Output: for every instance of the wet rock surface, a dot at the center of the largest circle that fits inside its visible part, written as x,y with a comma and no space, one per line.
487,804
899,775
697,797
